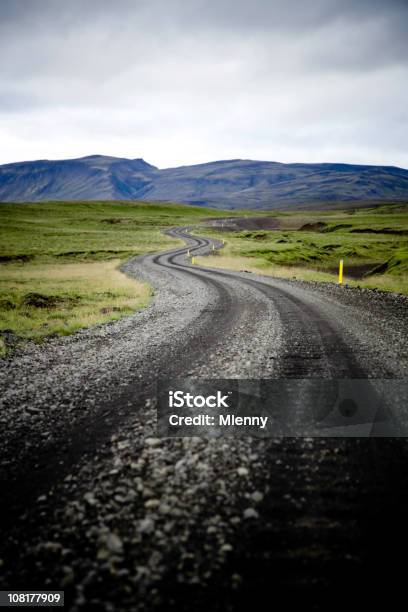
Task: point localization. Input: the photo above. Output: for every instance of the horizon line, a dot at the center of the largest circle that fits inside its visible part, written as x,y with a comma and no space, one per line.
215,161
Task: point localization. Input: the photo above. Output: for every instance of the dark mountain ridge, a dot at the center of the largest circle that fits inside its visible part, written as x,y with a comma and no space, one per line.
232,183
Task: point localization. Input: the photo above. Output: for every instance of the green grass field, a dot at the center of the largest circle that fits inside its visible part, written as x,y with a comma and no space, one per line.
59,262
89,230
309,245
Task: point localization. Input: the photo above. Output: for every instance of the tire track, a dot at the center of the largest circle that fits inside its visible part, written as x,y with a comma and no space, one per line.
328,504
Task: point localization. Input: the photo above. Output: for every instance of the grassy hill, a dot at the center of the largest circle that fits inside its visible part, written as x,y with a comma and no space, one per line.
59,262
373,244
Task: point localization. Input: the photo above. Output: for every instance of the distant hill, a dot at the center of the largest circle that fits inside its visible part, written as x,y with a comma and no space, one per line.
233,183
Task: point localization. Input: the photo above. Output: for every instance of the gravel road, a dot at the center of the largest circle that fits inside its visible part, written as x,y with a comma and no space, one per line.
95,504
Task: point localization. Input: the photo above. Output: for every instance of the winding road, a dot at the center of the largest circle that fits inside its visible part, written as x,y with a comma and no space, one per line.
80,460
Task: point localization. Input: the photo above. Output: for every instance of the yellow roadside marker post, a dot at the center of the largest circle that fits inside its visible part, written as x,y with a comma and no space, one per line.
341,272
193,260
213,247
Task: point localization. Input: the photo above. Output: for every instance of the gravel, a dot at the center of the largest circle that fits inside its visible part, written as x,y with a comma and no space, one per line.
142,523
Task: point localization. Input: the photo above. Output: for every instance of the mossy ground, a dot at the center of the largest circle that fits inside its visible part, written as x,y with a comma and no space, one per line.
59,262
373,244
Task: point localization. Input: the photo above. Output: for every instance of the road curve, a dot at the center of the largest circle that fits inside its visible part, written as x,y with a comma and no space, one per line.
321,335
78,417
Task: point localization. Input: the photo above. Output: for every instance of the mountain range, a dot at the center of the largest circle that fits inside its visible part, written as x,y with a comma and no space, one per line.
235,183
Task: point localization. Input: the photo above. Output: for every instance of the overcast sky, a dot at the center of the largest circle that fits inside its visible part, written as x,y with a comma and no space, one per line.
181,82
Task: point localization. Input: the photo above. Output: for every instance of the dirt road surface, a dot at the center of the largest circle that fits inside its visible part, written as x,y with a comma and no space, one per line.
92,502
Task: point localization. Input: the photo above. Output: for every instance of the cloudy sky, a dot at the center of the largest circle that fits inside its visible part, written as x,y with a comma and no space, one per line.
180,82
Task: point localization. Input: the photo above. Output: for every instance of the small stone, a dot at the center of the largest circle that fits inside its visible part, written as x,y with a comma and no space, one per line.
152,441
152,503
180,464
32,410
146,525
90,499
242,471
250,513
69,576
114,543
226,548
236,581
257,496
52,547
123,444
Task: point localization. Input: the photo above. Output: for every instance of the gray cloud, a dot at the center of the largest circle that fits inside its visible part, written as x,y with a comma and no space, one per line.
181,82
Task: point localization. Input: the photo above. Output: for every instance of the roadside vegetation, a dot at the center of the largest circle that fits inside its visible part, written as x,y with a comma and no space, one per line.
373,244
59,262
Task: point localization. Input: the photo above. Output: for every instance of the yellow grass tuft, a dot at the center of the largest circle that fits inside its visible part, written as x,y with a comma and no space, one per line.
80,295
384,282
259,266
